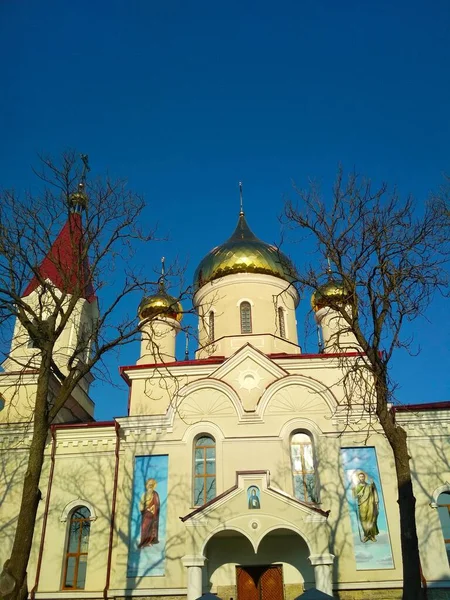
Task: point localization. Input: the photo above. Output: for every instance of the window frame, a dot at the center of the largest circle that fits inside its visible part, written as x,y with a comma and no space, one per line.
447,506
68,554
247,307
308,498
282,322
204,475
211,325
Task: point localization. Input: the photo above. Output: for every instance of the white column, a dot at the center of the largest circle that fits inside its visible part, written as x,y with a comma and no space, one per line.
194,566
323,572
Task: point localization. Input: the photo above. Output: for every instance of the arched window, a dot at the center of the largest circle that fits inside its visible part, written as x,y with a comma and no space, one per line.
246,317
302,463
443,506
211,326
77,549
204,470
281,323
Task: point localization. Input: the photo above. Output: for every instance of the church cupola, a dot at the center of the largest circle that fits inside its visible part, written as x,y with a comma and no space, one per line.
335,333
244,293
160,315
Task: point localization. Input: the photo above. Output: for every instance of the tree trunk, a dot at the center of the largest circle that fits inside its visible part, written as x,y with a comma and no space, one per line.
396,436
16,566
412,588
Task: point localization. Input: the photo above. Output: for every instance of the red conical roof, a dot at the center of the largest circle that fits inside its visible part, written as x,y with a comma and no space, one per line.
62,264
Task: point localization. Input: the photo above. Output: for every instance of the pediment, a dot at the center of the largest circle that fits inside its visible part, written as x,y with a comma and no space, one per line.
249,372
236,503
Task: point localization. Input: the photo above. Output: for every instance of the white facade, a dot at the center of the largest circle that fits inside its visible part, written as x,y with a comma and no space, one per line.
249,394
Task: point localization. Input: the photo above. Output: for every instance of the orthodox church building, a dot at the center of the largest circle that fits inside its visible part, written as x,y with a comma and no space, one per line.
246,472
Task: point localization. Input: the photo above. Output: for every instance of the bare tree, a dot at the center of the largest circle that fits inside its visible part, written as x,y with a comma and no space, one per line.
50,284
388,259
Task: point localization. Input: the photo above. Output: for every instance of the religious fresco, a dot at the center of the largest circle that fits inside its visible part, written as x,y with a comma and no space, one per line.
146,549
254,497
371,542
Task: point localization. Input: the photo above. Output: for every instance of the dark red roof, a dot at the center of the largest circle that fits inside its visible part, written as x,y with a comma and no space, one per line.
62,265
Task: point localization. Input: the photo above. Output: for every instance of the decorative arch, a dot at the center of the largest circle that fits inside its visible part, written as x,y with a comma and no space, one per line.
308,383
222,527
437,492
214,384
75,504
288,526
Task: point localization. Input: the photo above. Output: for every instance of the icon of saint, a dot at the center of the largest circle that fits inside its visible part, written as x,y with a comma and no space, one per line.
253,500
149,507
366,495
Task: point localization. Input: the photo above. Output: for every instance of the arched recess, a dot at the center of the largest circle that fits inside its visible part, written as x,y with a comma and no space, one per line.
300,404
290,428
213,430
437,492
215,407
74,504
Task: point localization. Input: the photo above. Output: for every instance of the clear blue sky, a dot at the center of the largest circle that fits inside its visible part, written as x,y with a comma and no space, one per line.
187,98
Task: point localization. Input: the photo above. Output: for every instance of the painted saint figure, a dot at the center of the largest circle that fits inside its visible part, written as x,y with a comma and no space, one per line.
253,499
367,498
149,507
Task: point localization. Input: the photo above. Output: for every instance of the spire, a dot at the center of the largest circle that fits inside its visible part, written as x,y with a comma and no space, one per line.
162,279
241,212
186,348
62,264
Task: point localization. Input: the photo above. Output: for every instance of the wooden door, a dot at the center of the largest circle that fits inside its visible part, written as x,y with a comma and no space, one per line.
260,583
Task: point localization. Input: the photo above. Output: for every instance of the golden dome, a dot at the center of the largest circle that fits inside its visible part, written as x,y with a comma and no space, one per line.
243,252
160,304
332,291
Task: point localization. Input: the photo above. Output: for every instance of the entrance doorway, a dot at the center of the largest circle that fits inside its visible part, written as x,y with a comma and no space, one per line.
260,582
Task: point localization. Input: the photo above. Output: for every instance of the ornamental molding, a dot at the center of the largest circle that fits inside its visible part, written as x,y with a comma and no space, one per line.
297,404
245,278
437,492
74,504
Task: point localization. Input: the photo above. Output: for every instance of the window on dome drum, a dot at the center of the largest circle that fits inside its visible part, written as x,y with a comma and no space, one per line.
211,326
204,470
443,506
77,549
281,323
246,317
303,472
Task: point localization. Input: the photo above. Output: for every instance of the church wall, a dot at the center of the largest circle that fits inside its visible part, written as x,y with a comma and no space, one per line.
429,445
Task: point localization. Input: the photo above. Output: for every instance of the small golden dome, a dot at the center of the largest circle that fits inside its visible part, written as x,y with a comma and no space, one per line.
160,304
243,252
79,199
332,291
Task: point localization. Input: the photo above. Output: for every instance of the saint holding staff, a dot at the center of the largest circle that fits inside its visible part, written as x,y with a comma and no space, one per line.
149,506
366,495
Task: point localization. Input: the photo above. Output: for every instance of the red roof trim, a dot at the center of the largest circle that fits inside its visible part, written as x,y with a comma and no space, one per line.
321,355
216,360
89,424
178,363
421,407
62,266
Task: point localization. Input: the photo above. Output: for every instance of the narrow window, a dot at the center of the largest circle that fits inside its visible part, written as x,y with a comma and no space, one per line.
281,323
211,326
303,473
443,506
77,549
204,470
246,317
